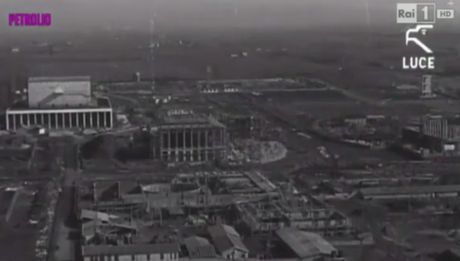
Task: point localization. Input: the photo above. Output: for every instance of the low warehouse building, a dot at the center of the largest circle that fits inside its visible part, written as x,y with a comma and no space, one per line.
228,242
307,246
446,191
156,252
198,247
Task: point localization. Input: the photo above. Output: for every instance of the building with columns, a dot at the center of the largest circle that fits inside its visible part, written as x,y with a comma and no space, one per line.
60,103
190,138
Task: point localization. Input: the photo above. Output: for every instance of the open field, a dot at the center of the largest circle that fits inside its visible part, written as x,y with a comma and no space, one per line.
118,55
305,96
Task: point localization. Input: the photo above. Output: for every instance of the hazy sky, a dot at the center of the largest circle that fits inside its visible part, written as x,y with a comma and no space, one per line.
177,14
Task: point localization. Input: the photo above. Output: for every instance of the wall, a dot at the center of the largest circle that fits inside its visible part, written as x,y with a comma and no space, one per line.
62,120
192,144
234,254
140,257
74,93
420,195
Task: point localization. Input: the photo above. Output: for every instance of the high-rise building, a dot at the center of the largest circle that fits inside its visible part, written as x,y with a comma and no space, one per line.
427,90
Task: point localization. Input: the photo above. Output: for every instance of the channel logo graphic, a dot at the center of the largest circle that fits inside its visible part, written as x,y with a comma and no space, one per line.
418,62
415,13
445,14
421,13
29,19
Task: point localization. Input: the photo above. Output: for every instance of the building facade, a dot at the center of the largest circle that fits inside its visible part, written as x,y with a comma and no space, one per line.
427,192
202,140
60,103
228,242
242,127
60,118
59,91
442,128
154,252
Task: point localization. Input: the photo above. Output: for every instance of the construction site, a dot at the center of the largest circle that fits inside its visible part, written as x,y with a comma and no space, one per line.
210,206
212,169
213,174
224,141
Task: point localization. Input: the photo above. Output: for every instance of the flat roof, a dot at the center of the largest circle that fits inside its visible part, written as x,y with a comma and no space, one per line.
305,244
96,103
190,119
60,79
410,190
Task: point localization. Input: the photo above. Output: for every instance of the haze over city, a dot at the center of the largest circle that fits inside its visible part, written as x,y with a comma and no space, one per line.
210,14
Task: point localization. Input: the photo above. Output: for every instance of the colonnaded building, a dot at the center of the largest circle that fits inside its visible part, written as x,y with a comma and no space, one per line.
60,103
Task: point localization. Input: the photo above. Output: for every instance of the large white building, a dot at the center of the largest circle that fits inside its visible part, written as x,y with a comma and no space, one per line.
60,103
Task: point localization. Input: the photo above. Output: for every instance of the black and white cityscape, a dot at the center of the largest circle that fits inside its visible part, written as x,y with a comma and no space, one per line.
210,130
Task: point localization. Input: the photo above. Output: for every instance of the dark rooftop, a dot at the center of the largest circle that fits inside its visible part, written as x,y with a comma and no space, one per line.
199,247
225,237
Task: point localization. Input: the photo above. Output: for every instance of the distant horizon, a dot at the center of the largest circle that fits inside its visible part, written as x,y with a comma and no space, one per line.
212,16
84,14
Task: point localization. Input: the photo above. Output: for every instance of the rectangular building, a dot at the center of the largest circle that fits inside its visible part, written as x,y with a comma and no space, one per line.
153,252
191,138
59,91
406,192
97,115
228,242
447,129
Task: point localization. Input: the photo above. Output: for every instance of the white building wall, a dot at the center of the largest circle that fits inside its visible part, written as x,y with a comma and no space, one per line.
139,257
58,91
70,119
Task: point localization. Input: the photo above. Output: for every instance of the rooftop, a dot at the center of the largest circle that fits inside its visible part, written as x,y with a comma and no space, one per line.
180,119
305,244
61,79
199,247
225,237
410,190
96,103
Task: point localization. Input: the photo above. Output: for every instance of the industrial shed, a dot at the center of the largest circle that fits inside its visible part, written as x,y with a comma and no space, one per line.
154,252
198,247
306,246
432,191
228,242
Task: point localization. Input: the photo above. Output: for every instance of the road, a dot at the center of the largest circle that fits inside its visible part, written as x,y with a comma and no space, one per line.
63,229
355,96
116,132
66,152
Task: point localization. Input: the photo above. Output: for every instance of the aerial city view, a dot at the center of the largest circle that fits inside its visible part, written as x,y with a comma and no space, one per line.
208,130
